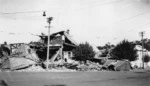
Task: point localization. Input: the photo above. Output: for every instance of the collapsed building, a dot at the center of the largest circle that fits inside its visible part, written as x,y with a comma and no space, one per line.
32,56
20,56
61,47
117,65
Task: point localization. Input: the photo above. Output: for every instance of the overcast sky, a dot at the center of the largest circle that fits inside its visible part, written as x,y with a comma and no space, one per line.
95,21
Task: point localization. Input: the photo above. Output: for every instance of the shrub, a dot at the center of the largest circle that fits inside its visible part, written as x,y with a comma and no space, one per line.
146,58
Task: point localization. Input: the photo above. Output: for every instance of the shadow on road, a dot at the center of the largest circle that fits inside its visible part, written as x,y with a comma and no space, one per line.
55,85
3,83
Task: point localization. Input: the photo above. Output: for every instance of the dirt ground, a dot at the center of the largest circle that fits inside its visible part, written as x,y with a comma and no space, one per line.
132,78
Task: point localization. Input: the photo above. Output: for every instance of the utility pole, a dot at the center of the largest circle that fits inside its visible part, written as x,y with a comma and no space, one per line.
142,35
48,41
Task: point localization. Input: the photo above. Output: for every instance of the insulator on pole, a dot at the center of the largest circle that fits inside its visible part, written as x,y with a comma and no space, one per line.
44,13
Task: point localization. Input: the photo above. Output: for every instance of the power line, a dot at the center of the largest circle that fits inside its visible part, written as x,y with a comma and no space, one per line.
13,33
129,18
98,4
22,12
140,26
43,10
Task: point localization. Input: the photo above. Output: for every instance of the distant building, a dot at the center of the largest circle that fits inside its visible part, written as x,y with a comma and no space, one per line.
139,62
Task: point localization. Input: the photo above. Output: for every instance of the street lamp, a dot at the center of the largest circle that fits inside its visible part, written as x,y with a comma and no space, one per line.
48,42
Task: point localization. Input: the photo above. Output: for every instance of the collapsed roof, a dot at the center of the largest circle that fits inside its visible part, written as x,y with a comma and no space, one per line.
55,38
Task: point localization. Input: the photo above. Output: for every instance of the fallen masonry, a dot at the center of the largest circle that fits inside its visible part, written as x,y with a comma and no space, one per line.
23,58
32,56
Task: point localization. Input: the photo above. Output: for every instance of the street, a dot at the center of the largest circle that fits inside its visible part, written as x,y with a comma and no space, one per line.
139,78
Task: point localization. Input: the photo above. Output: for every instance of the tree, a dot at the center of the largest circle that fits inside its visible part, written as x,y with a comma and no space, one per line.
105,49
84,52
146,58
106,46
124,50
104,53
146,43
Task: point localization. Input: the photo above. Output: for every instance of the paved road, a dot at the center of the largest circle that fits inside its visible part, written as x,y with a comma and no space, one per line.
140,78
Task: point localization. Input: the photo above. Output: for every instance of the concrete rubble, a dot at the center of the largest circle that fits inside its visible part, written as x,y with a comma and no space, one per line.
33,56
33,68
23,58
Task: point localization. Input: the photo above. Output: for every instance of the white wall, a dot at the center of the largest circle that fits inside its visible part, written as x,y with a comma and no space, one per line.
139,62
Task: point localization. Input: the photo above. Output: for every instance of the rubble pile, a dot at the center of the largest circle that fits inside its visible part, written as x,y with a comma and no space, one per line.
61,69
32,68
24,58
89,66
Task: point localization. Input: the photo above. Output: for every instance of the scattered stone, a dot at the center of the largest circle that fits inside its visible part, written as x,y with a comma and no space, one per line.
33,68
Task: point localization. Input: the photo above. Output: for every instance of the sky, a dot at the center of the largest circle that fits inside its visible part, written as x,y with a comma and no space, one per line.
95,21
